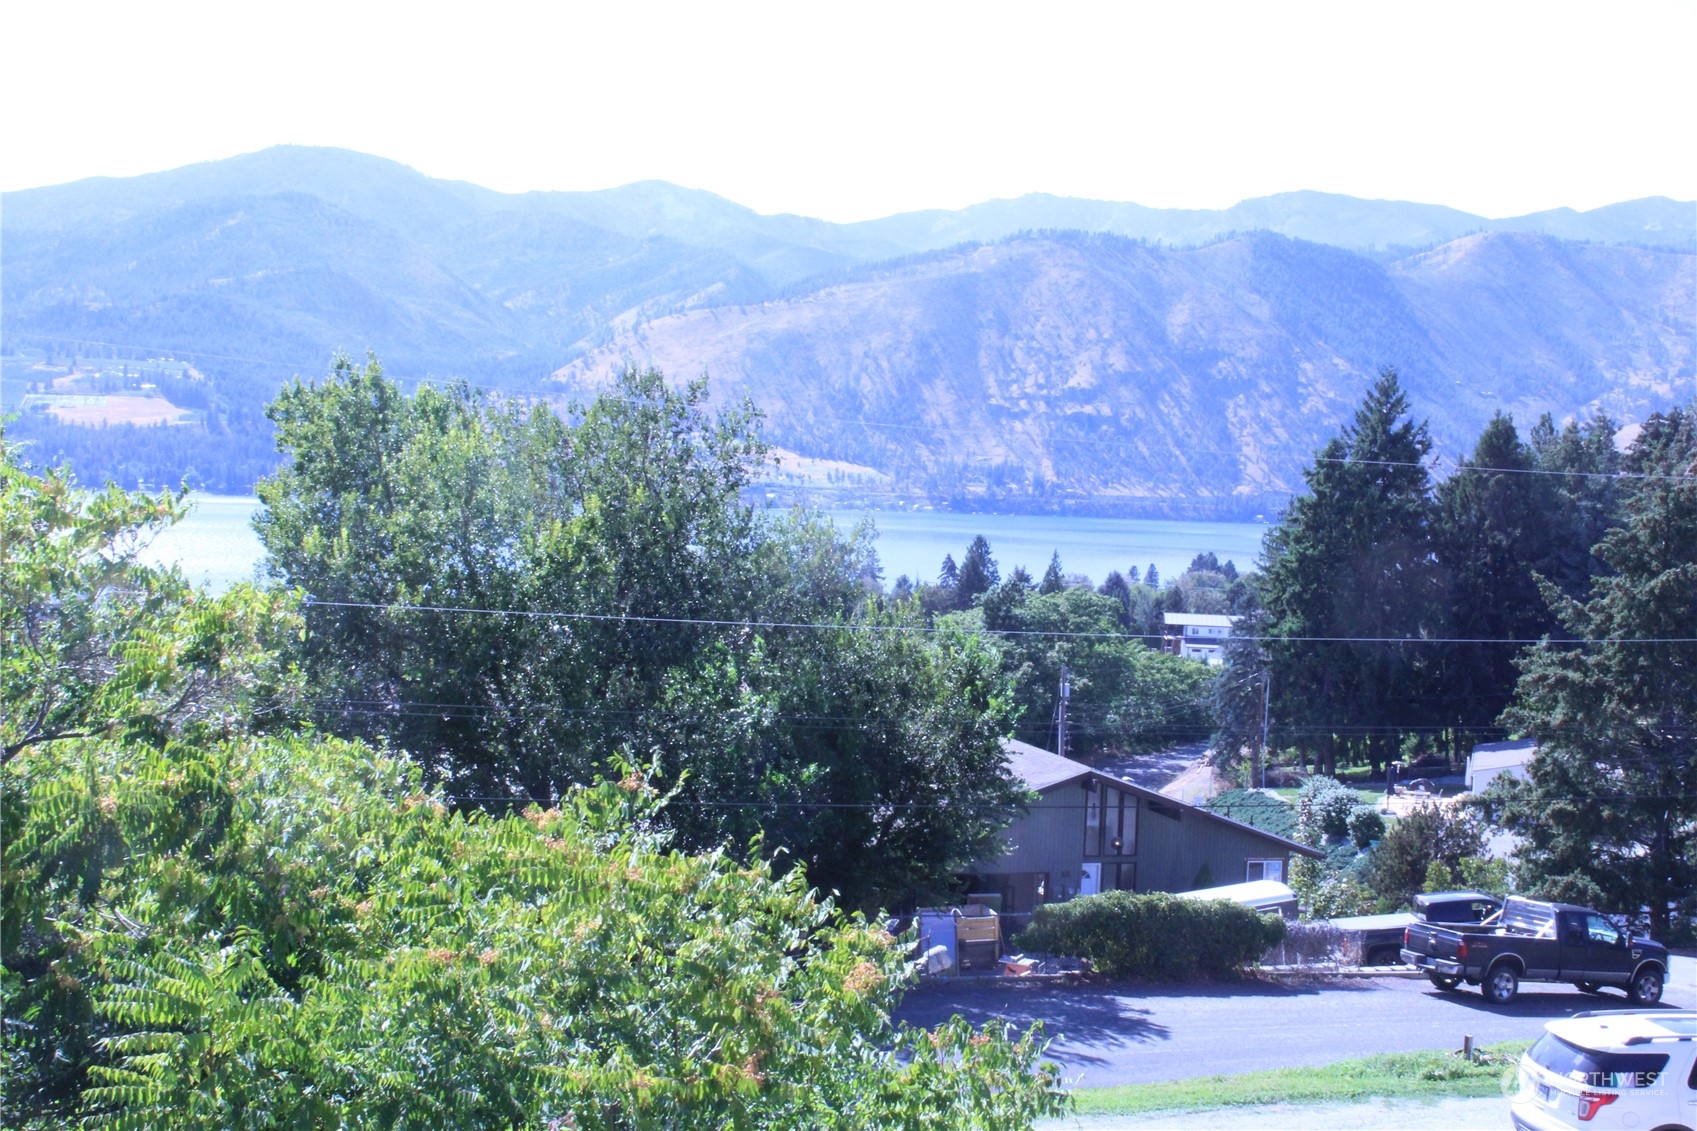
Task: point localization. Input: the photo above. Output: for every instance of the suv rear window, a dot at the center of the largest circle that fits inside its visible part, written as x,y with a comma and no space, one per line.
1595,1069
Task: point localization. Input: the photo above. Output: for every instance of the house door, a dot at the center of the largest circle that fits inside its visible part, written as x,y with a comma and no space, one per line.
1090,879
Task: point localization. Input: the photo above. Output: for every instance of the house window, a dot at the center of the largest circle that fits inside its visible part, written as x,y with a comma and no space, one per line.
1110,822
1263,870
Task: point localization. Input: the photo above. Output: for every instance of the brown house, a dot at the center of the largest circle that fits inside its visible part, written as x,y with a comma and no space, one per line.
1089,832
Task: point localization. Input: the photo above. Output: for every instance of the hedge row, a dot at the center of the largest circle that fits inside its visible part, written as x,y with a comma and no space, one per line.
1154,935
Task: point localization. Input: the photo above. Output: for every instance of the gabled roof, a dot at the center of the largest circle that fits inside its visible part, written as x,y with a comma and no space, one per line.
1042,770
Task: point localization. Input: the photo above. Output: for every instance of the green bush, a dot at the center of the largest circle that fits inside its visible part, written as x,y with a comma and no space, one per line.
1365,825
1403,857
1154,935
1323,806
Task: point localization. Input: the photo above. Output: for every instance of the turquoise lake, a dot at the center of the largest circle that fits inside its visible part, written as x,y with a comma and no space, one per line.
216,545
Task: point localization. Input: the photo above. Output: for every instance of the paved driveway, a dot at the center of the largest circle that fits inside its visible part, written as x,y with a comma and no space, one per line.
1132,1034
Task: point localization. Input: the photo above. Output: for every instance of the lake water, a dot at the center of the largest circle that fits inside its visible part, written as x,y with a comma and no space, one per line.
216,545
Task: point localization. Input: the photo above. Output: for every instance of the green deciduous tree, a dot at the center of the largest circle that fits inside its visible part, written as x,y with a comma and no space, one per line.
1125,696
515,599
84,624
1609,814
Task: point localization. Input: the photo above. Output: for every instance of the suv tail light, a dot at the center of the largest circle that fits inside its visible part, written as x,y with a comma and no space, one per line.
1405,934
1590,1103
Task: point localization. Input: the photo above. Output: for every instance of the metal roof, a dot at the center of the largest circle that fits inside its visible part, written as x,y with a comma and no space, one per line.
1211,620
1252,894
1501,755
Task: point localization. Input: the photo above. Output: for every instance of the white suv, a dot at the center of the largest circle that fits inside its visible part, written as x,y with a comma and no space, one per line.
1626,1068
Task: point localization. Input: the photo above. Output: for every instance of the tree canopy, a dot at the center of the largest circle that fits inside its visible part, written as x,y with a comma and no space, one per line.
217,919
1609,815
1351,559
517,599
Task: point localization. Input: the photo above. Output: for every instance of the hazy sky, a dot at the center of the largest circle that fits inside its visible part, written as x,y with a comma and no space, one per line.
850,111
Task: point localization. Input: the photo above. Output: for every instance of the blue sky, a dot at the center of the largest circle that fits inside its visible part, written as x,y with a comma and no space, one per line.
850,111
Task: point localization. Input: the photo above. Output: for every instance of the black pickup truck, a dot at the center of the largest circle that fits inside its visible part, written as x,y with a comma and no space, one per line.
1538,942
1374,940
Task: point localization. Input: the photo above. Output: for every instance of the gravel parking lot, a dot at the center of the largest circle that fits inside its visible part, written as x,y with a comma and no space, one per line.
1136,1033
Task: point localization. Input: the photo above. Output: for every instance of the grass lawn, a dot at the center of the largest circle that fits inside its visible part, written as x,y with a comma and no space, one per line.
1419,1075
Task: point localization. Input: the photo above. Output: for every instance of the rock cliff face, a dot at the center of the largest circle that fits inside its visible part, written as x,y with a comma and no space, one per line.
1095,369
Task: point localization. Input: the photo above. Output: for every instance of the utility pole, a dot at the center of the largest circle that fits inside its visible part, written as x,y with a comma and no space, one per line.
1066,692
1266,699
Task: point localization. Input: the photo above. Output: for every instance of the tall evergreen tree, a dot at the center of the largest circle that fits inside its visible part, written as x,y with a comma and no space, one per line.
1152,577
1053,579
1348,567
1493,534
1204,562
1609,815
949,576
1117,588
1583,463
978,571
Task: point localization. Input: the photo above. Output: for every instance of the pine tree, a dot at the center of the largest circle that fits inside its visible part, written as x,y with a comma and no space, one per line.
1493,533
1117,587
1609,815
1587,496
949,576
1351,558
1152,577
1053,579
978,571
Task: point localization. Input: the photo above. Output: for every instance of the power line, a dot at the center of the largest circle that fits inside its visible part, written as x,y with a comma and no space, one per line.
853,626
960,805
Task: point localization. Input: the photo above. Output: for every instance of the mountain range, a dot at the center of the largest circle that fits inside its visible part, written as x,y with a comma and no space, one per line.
1034,352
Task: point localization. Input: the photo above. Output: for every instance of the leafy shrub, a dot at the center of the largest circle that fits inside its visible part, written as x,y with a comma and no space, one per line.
1414,842
1338,895
1438,877
1365,825
1154,935
1323,806
1483,873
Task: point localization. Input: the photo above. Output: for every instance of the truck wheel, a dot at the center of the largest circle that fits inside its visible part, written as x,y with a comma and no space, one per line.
1444,981
1586,987
1500,985
1646,988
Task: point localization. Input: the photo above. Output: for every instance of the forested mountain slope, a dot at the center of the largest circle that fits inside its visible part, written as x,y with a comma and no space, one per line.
1098,370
